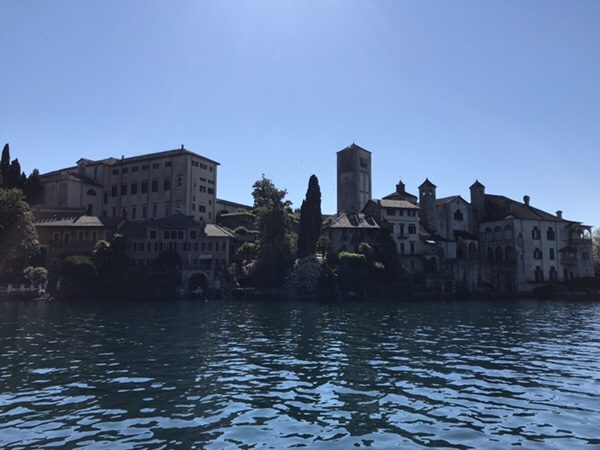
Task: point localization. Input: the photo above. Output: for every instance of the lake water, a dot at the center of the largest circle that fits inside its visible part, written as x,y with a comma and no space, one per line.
278,375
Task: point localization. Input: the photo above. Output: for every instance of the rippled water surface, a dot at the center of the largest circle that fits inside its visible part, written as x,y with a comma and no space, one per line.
278,375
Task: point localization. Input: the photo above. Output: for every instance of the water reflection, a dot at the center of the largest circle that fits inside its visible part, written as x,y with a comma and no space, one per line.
282,375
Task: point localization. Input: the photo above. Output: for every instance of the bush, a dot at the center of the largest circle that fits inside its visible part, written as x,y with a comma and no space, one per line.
304,277
352,272
80,271
35,275
241,231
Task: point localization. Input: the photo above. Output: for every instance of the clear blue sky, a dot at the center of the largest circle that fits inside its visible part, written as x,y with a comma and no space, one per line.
504,91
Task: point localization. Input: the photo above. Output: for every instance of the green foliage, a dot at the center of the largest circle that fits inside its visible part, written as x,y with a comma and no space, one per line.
246,252
79,270
352,272
4,165
237,219
303,279
35,275
241,231
310,219
33,189
18,236
327,286
275,247
364,248
323,244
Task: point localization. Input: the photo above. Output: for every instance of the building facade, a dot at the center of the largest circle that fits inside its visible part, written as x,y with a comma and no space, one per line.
353,178
139,188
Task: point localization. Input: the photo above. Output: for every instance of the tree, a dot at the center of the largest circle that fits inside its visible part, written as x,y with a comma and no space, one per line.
353,272
35,275
275,255
596,244
18,236
34,191
304,277
310,219
13,175
4,164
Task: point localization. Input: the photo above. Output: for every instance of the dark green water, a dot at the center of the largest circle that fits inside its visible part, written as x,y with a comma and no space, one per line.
280,375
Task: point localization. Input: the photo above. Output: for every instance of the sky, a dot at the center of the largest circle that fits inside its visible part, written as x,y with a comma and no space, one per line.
506,92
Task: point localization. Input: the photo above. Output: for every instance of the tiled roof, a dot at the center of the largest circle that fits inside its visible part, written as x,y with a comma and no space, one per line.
499,207
71,220
354,147
212,230
445,200
386,203
353,221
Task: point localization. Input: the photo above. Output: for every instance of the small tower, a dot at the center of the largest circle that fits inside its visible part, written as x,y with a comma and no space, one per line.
477,206
353,178
427,203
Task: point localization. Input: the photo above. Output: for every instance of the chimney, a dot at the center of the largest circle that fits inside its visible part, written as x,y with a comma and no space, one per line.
559,214
526,200
182,147
122,157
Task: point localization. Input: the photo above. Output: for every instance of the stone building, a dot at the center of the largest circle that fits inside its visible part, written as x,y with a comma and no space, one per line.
346,231
206,250
139,188
353,178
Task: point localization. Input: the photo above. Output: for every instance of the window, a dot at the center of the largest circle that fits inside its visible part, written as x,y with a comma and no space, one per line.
125,170
113,190
498,234
167,184
144,212
210,190
551,253
210,168
179,182
165,235
553,273
145,167
411,213
80,236
538,274
133,211
152,234
401,226
133,188
412,248
114,211
167,209
223,245
91,192
154,210
508,232
412,229
390,211
105,198
193,207
115,172
202,188
550,234
94,236
168,164
155,166
537,254
123,189
488,234
180,235
154,185
209,246
458,215
490,254
402,248
203,166
508,253
499,254
193,234
144,187
55,237
201,208
585,256
401,212
135,169
211,182
535,233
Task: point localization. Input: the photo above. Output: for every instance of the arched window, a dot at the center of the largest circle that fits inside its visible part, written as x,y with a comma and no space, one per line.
180,234
458,215
472,250
498,234
488,234
499,254
90,210
173,235
459,251
508,253
508,232
91,192
490,254
165,234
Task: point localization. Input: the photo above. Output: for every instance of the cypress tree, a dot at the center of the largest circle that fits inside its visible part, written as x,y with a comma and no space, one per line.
310,219
34,191
4,164
13,175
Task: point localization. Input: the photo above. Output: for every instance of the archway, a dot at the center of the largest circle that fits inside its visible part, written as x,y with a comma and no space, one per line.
198,285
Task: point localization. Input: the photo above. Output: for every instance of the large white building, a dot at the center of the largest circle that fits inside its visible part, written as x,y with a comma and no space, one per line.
138,188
